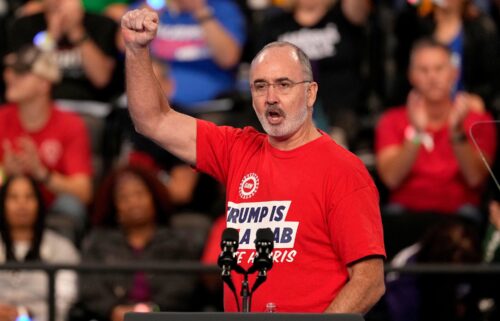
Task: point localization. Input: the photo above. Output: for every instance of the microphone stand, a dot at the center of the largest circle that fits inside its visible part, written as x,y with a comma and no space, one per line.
261,278
245,293
227,262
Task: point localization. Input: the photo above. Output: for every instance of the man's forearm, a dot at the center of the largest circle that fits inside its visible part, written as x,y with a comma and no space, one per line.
394,165
146,100
357,296
471,165
97,66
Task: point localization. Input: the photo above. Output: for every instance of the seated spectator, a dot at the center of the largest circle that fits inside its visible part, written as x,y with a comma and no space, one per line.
470,35
38,139
332,33
424,152
133,206
202,42
25,238
428,297
84,44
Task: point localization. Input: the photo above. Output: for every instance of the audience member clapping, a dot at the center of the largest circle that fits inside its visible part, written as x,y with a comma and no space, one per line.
38,139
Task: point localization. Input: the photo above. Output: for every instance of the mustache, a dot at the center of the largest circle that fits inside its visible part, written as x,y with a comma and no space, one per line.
274,109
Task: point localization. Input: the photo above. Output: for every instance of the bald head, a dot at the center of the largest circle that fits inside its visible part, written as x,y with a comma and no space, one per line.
296,54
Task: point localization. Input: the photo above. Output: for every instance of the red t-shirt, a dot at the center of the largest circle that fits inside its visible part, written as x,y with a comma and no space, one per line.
435,182
318,199
63,143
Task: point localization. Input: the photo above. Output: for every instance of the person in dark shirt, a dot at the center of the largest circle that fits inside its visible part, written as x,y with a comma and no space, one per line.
85,46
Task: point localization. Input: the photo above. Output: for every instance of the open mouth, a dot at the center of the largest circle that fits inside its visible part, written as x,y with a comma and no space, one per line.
274,115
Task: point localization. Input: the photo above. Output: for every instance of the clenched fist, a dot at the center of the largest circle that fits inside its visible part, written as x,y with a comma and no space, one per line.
139,28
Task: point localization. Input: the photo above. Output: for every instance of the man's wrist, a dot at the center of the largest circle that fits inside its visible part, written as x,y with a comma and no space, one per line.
413,135
418,138
458,137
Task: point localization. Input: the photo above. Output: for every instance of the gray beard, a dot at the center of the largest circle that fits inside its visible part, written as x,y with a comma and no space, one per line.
289,125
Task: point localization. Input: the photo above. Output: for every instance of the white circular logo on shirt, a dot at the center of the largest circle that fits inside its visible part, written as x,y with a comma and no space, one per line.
249,185
51,151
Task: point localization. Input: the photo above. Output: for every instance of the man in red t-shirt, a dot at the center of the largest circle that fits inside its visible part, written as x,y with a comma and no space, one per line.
317,198
38,139
425,152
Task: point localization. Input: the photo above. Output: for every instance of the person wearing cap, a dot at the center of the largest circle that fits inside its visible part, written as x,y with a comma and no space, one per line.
36,138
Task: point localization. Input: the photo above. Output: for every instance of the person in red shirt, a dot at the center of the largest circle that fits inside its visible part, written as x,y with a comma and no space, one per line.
37,139
424,150
317,198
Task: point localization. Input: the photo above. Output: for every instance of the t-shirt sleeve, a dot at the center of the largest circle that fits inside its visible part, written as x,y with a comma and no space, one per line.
77,154
213,148
388,132
356,225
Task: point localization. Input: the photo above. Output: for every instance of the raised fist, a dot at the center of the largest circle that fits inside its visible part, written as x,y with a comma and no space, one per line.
139,28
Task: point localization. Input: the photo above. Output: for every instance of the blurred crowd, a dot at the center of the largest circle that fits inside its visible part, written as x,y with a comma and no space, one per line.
411,87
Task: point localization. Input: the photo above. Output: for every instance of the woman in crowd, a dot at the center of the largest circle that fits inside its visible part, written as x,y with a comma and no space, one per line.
24,238
132,204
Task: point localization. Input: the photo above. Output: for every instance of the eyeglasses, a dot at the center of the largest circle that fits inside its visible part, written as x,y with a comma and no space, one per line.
283,87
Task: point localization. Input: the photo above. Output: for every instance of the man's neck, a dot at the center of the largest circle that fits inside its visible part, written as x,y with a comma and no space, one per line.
34,115
304,135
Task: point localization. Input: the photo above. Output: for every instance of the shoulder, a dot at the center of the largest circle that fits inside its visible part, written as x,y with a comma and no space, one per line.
395,113
103,240
8,110
98,235
478,117
57,248
343,170
229,132
71,120
393,117
339,159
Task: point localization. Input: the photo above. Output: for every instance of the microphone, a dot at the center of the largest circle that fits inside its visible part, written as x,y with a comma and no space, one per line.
229,246
227,259
264,245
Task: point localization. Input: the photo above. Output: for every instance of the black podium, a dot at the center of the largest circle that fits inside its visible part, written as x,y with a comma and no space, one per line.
219,316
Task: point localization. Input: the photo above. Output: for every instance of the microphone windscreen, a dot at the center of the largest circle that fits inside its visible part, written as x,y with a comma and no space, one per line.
265,235
230,234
